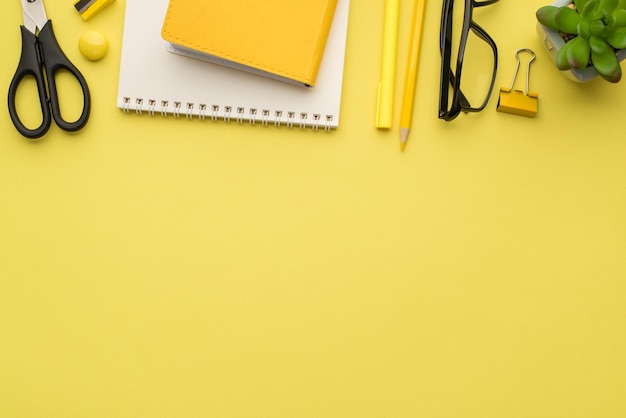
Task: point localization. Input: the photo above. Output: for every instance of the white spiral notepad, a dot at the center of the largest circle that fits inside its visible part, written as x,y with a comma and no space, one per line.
154,81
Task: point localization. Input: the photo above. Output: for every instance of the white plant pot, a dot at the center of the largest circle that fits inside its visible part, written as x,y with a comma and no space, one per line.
552,41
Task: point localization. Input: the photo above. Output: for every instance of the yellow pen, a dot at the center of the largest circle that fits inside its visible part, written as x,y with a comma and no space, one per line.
384,111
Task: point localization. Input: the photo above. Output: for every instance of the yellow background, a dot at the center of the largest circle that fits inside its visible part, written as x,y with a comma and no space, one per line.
165,268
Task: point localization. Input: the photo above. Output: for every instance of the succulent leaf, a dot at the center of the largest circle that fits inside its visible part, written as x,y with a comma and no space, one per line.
580,4
607,65
545,16
608,6
609,20
567,19
590,11
596,28
617,38
583,29
561,57
598,45
578,53
619,18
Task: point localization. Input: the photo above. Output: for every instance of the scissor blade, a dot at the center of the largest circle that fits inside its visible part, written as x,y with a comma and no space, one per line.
34,15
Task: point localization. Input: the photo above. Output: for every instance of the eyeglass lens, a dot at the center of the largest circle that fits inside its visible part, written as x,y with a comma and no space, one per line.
469,59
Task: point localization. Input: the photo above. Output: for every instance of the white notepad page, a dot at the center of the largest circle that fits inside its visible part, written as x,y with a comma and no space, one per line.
153,80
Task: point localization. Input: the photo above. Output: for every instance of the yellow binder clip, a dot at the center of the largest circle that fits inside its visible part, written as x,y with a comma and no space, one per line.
517,102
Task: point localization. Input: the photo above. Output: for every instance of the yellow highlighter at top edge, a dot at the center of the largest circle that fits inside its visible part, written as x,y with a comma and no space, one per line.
88,8
386,86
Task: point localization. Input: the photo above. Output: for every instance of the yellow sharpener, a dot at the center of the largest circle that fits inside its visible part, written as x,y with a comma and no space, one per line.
88,8
517,102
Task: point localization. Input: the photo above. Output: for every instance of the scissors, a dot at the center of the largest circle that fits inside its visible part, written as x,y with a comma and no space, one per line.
42,58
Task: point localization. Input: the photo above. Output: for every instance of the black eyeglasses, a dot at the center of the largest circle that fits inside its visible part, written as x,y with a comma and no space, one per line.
451,80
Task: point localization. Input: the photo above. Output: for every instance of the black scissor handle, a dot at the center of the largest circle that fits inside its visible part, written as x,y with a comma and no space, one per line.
43,53
55,61
29,65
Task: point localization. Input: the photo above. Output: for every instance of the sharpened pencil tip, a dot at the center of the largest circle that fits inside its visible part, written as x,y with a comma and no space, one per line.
404,135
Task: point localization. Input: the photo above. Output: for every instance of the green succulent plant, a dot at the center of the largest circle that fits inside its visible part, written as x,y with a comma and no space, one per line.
599,28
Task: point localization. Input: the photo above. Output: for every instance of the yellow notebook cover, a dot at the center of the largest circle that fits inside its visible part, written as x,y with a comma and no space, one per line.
283,39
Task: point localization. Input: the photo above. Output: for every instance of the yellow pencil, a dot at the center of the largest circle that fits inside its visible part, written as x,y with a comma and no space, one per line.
411,71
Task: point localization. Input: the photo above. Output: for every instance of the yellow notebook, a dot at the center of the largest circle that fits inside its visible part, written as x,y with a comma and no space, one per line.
283,39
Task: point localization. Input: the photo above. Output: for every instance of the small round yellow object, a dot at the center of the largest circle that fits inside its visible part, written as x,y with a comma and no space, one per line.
93,45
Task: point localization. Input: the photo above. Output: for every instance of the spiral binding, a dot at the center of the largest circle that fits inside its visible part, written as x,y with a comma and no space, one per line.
228,113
